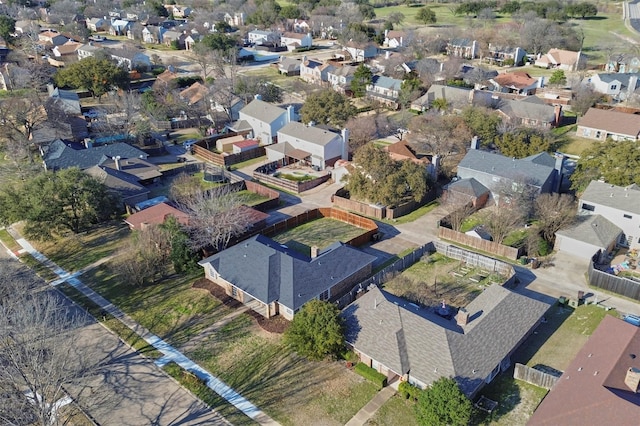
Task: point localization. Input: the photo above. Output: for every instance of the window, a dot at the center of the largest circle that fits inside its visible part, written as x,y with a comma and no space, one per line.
627,216
234,291
598,134
614,87
588,207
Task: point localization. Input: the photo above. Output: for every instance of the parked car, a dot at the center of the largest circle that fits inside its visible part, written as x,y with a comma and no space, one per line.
97,38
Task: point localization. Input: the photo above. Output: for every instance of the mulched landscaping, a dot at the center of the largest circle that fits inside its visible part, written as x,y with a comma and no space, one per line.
275,324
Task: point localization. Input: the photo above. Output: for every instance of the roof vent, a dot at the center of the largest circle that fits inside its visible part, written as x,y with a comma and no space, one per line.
590,355
595,373
579,368
611,195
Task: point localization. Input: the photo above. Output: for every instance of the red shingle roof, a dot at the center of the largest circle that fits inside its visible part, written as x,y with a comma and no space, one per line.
592,390
155,215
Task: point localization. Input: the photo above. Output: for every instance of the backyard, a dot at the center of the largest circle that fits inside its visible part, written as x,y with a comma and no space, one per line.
436,278
319,233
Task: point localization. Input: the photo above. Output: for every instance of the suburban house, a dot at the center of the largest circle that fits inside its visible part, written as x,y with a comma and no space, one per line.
281,280
292,41
67,51
194,93
152,34
61,155
340,77
309,144
394,39
126,186
67,100
87,50
539,172
359,52
315,71
131,59
402,151
119,27
97,24
519,83
620,86
531,112
619,205
384,89
562,59
155,215
52,38
263,37
498,55
619,63
601,124
590,234
264,119
463,191
401,340
463,48
179,11
601,385
289,66
457,97
170,37
237,20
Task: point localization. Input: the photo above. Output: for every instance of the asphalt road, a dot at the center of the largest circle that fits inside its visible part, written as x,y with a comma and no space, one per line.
130,390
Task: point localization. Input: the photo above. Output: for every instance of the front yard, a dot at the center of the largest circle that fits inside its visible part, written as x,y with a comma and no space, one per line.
288,388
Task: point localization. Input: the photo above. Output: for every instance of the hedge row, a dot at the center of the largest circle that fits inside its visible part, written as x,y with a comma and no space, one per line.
371,375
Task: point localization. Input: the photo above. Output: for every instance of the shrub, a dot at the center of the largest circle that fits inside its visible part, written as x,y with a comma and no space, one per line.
409,391
544,247
371,375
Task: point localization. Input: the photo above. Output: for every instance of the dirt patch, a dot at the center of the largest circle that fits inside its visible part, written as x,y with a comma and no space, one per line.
275,324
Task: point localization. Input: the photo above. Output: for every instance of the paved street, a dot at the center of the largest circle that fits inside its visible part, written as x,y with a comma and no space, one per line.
131,390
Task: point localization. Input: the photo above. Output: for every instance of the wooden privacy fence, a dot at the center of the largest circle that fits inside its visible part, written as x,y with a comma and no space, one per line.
262,175
475,259
340,199
534,376
478,243
227,159
619,285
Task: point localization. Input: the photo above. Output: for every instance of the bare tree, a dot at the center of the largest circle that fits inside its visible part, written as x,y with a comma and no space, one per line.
42,362
554,212
499,222
516,193
457,211
362,130
215,217
145,257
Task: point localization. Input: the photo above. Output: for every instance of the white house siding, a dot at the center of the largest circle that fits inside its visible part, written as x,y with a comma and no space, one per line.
265,132
575,247
627,221
320,154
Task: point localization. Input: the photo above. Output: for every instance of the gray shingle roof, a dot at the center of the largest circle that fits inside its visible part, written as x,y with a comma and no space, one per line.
270,272
593,229
61,156
419,342
386,82
618,197
535,168
623,78
306,133
124,183
468,186
263,111
528,109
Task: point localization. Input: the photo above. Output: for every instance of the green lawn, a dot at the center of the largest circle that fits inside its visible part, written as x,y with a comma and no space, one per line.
320,233
414,215
517,400
471,222
248,162
8,241
77,251
171,308
41,270
251,198
575,145
396,411
290,389
123,332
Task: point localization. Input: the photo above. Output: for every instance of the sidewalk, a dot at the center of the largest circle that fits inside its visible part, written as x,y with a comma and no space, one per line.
366,412
170,353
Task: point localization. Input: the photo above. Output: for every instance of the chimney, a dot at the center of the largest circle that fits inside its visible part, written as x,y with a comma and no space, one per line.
257,96
386,33
291,114
435,166
560,159
387,54
462,318
475,143
315,251
632,379
557,114
345,144
633,82
116,159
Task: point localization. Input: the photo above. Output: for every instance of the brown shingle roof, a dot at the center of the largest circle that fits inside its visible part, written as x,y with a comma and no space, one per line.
612,121
592,391
401,151
155,215
518,80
